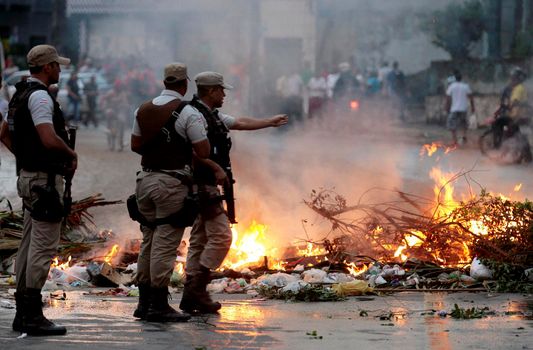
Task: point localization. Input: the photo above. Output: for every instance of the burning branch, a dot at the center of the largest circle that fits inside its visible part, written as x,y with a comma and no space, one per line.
449,234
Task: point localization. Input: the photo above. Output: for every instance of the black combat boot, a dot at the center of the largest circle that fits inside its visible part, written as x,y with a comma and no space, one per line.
144,302
34,322
17,322
160,310
195,298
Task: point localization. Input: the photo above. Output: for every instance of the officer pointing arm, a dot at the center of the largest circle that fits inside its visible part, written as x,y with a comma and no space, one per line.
211,235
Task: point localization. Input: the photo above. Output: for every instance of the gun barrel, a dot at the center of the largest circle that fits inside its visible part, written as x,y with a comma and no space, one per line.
229,197
72,136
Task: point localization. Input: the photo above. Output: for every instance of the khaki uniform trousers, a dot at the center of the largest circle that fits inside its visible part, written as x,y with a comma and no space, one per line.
39,239
158,196
210,241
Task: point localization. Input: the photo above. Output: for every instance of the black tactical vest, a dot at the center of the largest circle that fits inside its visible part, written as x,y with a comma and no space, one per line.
163,148
218,135
30,153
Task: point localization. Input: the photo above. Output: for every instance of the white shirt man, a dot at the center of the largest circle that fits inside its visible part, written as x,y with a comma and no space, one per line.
459,93
317,87
457,96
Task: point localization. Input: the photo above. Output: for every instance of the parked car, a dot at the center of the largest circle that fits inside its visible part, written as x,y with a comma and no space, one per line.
83,78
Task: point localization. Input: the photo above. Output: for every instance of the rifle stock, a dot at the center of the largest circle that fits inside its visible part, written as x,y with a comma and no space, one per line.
229,196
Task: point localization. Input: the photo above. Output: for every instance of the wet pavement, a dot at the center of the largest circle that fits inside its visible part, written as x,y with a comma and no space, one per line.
246,323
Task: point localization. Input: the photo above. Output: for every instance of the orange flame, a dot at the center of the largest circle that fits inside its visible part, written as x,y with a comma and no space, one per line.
111,254
311,250
57,265
355,269
249,248
430,149
443,192
354,105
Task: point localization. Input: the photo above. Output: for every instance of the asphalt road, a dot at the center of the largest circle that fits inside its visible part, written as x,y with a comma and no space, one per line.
96,322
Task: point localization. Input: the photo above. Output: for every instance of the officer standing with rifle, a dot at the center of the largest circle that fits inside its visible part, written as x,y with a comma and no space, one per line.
211,235
36,134
166,132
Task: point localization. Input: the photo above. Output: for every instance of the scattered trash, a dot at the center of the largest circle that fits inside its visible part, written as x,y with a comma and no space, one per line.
467,314
479,271
356,287
119,291
6,304
314,275
314,335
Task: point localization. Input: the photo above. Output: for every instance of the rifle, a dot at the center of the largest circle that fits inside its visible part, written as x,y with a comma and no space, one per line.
229,196
67,195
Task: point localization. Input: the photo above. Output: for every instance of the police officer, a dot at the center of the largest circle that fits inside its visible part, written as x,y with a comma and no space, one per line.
166,131
211,235
37,137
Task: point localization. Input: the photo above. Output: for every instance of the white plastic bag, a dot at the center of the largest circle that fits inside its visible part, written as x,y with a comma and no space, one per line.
479,271
314,275
472,121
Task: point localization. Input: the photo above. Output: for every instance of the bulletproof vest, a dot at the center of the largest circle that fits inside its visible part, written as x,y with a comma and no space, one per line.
163,147
218,135
30,153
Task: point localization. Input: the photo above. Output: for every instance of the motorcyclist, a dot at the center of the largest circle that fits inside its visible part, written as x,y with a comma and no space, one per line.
513,106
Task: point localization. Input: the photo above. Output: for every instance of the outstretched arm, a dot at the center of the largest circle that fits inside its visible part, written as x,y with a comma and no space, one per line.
248,123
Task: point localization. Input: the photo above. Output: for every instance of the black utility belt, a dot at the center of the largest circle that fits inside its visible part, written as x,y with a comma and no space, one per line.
44,171
182,177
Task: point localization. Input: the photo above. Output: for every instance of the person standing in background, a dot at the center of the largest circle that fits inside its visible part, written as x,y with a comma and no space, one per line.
457,96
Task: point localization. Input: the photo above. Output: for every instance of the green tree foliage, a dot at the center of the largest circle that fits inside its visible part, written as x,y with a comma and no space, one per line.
457,27
523,44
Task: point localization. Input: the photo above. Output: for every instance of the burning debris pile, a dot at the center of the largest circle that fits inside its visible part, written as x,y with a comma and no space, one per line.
484,242
79,237
409,243
486,226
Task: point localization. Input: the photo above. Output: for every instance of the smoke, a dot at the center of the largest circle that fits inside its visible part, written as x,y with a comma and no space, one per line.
363,156
349,152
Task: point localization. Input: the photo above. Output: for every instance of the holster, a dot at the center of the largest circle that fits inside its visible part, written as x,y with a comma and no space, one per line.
186,216
48,206
135,214
210,206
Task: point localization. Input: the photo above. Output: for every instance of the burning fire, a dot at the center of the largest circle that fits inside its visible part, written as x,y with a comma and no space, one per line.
311,250
62,266
430,149
249,247
253,247
445,204
111,254
355,269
